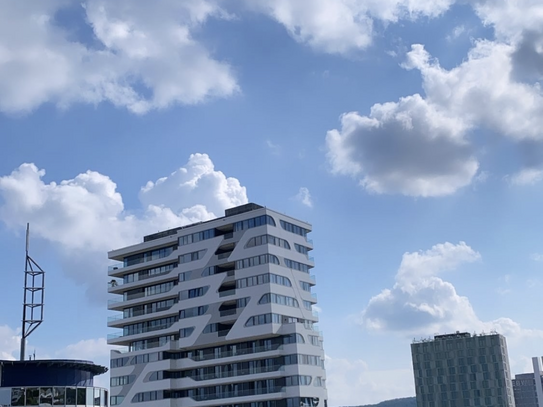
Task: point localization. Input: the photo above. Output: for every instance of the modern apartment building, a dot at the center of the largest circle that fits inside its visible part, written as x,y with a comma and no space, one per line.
528,387
461,370
218,313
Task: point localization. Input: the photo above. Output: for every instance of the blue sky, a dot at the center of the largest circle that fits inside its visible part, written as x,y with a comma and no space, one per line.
408,132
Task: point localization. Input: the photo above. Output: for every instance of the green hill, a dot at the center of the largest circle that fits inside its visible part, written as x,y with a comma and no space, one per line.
403,402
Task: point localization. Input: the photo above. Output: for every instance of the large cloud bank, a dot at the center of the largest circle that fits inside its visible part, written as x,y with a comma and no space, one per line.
86,214
420,145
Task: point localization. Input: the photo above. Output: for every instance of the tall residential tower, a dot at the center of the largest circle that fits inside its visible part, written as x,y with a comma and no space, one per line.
218,313
461,370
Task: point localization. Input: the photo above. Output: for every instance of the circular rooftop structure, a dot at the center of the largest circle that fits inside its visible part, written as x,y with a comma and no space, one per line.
48,372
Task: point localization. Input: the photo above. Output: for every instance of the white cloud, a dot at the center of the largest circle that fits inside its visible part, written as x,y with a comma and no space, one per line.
353,382
86,214
140,48
342,26
482,91
10,342
409,147
510,18
304,196
421,303
527,176
185,189
537,257
275,149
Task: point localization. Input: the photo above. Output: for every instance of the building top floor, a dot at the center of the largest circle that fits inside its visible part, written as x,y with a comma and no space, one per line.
237,217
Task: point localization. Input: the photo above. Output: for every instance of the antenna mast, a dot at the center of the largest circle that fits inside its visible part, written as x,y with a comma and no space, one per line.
33,296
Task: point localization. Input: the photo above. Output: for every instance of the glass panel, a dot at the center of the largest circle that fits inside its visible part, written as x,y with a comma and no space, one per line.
58,395
90,396
18,396
81,396
70,396
32,396
96,396
46,396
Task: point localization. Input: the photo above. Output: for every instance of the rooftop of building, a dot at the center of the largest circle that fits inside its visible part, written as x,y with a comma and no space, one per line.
456,335
84,365
228,212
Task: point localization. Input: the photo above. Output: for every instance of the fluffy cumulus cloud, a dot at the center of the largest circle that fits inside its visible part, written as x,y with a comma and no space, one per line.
420,300
185,189
496,87
87,214
141,57
422,303
482,90
342,26
10,342
408,147
353,382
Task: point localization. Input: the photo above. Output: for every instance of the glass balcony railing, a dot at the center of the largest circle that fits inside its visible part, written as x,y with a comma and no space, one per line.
115,318
237,352
227,293
114,336
227,312
116,266
241,393
238,372
113,301
313,277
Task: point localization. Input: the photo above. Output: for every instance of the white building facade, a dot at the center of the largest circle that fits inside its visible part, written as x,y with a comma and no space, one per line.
218,313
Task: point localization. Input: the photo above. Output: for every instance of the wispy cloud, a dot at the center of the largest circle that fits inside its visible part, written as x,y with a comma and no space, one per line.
304,196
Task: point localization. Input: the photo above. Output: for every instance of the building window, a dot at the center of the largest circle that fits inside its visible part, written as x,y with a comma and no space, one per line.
291,264
196,237
263,319
278,299
298,230
193,293
193,312
302,249
263,279
148,256
267,239
193,256
254,222
256,261
121,380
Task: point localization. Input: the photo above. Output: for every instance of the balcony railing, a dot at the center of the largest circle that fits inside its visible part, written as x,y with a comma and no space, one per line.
228,235
224,255
241,393
115,318
237,352
115,336
227,292
228,312
238,372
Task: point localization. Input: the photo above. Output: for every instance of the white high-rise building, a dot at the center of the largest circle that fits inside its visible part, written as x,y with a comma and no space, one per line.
218,313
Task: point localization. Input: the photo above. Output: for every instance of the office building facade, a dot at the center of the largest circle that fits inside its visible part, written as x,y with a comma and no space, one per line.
461,370
528,387
219,313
